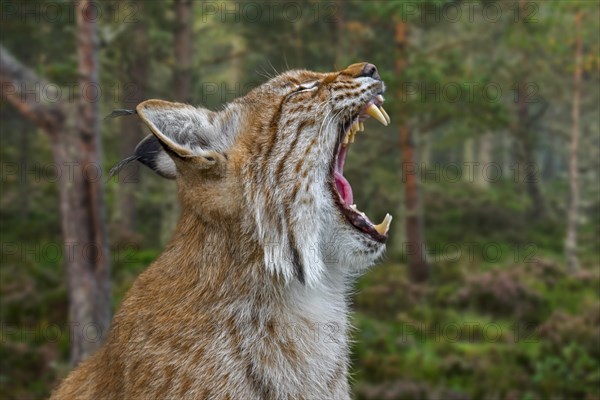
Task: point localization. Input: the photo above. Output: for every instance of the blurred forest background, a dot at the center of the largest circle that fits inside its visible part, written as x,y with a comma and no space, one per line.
490,288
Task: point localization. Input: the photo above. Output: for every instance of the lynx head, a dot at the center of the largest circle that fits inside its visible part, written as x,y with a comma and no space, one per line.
271,163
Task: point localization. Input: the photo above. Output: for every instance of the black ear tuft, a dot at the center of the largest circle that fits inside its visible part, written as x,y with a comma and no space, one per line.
151,153
117,168
119,113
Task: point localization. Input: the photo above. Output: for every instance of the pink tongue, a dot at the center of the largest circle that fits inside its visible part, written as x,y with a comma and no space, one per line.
343,188
342,185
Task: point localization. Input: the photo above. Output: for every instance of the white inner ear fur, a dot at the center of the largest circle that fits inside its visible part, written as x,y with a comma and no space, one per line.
149,116
166,165
185,129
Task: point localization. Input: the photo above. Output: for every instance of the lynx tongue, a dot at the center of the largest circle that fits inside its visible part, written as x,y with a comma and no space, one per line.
341,183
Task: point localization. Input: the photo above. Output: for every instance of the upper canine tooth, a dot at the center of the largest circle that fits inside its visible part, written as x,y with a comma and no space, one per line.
374,112
385,114
379,98
384,226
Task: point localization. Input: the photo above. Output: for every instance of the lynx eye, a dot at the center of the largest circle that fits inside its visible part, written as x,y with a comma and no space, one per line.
308,85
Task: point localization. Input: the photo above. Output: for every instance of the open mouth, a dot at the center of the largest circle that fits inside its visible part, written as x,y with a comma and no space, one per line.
344,199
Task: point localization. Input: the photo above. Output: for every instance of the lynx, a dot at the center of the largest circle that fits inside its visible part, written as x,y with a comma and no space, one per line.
249,298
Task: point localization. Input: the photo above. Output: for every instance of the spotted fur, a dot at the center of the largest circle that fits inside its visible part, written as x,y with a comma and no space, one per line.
249,299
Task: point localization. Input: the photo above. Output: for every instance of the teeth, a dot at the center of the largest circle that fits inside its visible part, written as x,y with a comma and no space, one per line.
351,136
379,98
374,112
361,127
353,206
385,115
384,226
346,138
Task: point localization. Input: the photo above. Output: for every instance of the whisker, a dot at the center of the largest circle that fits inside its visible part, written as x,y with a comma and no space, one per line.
276,72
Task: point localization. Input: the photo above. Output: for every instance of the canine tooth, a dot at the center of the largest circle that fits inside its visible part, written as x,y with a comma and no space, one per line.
361,127
374,112
384,226
379,98
385,114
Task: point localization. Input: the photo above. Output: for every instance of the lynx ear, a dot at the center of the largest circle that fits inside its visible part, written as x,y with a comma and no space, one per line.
181,135
176,126
179,131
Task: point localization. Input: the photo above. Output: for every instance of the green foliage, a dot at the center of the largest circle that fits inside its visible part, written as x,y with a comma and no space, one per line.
571,372
464,212
411,346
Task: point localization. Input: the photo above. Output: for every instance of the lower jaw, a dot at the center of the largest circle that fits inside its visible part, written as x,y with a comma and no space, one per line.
356,221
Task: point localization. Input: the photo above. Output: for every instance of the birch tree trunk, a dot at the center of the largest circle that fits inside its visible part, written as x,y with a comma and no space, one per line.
571,242
484,158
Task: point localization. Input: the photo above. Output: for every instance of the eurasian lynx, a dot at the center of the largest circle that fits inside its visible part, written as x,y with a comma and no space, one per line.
248,300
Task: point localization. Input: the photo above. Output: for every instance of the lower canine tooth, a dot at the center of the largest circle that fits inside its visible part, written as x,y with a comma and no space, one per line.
374,112
384,226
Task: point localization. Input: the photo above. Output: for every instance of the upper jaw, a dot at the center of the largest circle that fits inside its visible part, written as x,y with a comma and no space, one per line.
354,124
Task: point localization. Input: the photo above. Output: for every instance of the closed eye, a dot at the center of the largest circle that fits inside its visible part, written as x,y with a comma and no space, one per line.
308,85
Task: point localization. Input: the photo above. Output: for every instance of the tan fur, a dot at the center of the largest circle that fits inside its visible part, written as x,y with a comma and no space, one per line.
210,319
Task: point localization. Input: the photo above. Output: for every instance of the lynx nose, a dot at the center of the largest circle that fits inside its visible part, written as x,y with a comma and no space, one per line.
370,70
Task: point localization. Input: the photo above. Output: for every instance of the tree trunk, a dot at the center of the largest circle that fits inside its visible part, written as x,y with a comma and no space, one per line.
132,129
484,158
89,277
74,136
571,242
182,82
527,168
469,160
415,238
507,154
182,76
